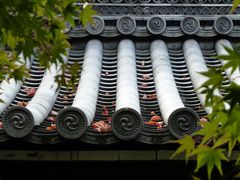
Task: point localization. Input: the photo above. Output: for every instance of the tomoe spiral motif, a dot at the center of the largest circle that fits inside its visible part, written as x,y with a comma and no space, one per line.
71,123
126,25
223,25
183,121
97,26
126,124
156,25
190,25
18,122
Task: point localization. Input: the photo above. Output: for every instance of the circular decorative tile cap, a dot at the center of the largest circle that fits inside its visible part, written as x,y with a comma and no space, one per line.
126,25
190,25
18,122
223,25
126,124
96,27
156,25
71,123
183,121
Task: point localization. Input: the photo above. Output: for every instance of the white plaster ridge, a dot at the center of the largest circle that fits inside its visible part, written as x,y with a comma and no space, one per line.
87,91
10,88
127,89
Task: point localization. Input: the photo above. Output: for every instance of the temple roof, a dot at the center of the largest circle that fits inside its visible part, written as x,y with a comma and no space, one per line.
128,89
138,75
167,18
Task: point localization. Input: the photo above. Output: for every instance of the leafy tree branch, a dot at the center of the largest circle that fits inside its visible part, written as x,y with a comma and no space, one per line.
36,28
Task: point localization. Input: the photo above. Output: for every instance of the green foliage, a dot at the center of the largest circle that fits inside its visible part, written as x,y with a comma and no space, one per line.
233,95
232,59
221,134
36,28
85,14
214,78
9,69
69,83
187,145
210,157
195,178
235,5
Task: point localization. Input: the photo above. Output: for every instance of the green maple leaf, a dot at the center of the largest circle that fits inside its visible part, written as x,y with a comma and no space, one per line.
209,131
210,157
195,177
234,137
43,60
187,144
68,14
19,73
73,70
232,58
222,140
233,94
231,128
86,15
8,38
215,78
238,160
28,47
235,5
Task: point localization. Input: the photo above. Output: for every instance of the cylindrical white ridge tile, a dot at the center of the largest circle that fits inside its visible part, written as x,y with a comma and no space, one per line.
166,89
10,88
42,102
179,119
196,64
232,76
127,121
87,91
127,96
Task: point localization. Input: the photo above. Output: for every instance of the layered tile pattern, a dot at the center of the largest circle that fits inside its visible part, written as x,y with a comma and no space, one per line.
128,89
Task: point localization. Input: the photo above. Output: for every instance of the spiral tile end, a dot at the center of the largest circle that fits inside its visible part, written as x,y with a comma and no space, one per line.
183,121
71,123
18,122
126,124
